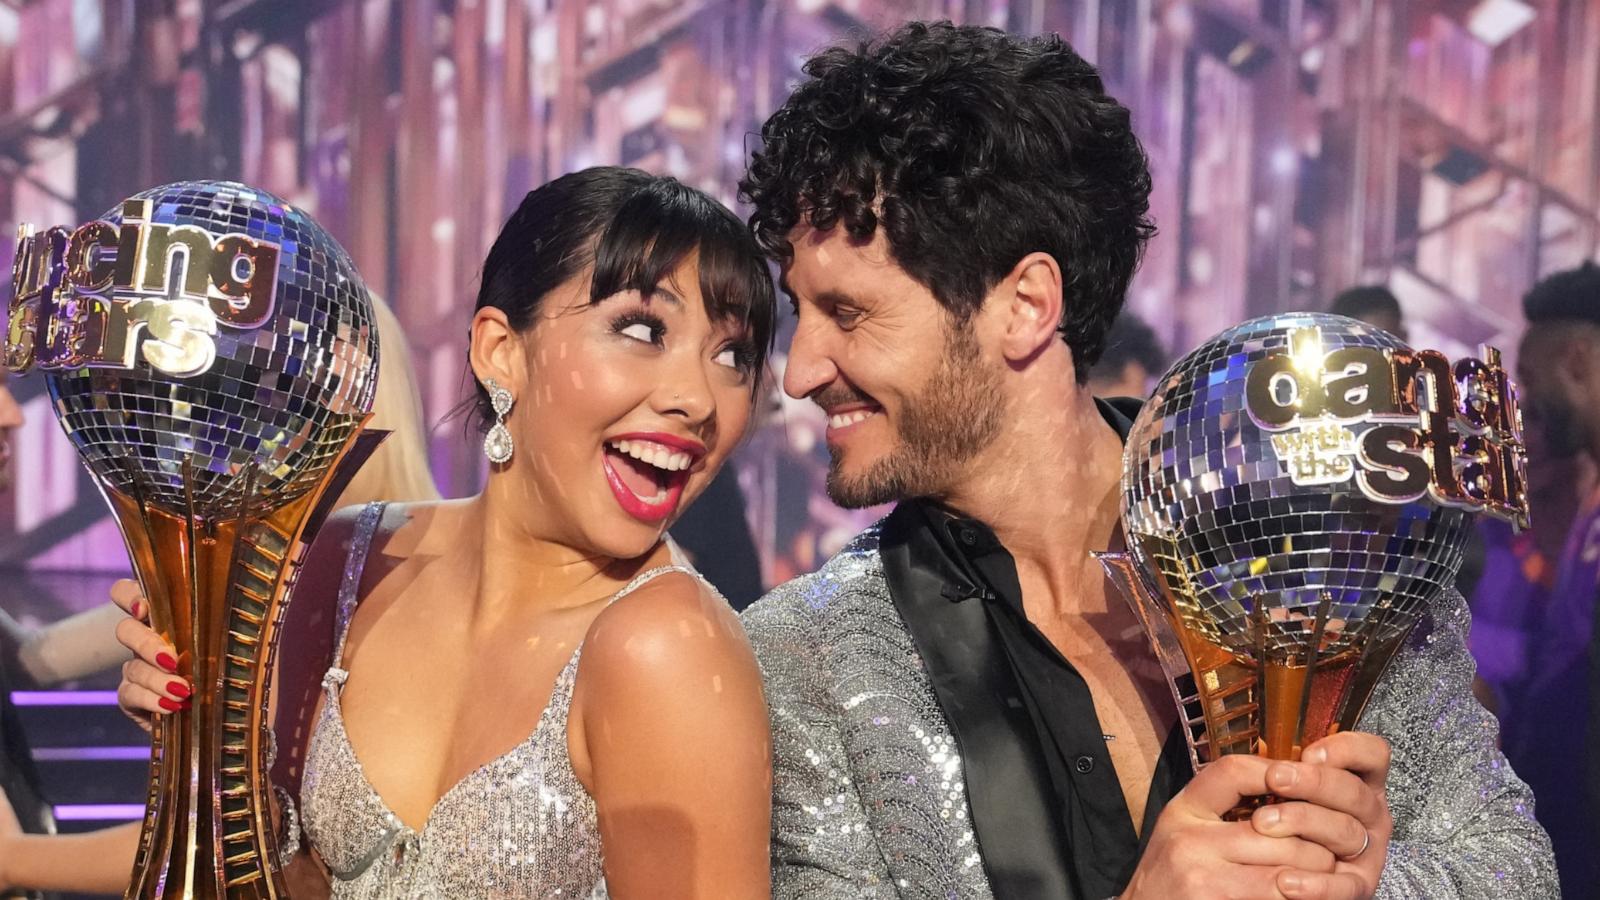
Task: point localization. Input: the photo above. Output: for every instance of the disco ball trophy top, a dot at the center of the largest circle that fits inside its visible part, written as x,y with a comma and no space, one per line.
1295,493
211,353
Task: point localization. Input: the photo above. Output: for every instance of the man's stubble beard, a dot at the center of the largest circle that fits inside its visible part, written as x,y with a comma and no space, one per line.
949,422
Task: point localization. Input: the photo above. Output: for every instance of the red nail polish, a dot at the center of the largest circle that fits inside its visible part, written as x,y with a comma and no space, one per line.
170,705
136,608
178,689
165,661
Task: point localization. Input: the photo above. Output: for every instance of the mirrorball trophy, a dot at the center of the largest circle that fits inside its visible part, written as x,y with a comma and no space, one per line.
1295,493
212,354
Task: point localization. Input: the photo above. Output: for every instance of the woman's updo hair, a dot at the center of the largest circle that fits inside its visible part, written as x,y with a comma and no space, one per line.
635,228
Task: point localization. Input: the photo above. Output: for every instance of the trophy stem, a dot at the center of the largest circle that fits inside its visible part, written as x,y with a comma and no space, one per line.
1254,701
1313,652
1214,691
215,589
1372,663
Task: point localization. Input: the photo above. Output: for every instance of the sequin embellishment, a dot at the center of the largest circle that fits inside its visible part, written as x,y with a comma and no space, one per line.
520,826
869,788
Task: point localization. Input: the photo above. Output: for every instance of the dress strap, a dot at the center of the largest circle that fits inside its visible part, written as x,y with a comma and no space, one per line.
644,578
350,585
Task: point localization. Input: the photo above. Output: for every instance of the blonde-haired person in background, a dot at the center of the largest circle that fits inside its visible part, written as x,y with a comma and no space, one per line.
86,643
398,469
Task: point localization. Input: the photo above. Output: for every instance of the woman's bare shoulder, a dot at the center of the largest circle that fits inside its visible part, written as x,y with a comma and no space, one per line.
666,667
675,620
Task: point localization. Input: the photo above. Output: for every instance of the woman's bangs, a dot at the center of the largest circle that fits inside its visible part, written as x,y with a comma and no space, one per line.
649,236
655,230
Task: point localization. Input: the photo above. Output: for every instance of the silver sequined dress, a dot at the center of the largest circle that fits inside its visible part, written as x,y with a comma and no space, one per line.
520,826
870,797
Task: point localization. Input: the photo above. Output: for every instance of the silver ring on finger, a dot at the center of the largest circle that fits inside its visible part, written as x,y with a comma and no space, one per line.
1366,841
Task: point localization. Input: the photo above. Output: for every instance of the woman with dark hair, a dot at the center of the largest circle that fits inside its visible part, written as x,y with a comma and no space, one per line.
525,694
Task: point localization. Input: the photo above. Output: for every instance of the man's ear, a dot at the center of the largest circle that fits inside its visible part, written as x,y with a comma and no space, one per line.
1031,303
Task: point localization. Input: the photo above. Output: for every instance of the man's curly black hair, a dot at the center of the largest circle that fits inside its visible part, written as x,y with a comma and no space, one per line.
972,148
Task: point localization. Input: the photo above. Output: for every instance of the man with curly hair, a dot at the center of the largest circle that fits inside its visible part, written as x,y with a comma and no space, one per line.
962,706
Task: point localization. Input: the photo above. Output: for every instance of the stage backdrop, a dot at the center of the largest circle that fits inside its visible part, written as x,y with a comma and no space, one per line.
1447,148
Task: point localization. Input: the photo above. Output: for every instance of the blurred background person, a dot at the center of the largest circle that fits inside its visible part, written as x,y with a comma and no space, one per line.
398,469
1373,304
10,420
1510,596
1133,359
18,780
1546,722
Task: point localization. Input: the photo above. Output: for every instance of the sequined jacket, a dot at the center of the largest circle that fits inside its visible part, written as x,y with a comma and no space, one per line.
871,790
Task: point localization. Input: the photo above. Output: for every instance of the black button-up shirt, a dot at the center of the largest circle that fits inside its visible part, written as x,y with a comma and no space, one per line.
1103,846
1047,805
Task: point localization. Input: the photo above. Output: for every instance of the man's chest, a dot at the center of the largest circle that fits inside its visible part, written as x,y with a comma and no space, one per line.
1129,696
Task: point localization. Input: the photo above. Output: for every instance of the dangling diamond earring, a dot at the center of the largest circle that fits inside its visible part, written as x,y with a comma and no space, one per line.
497,443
